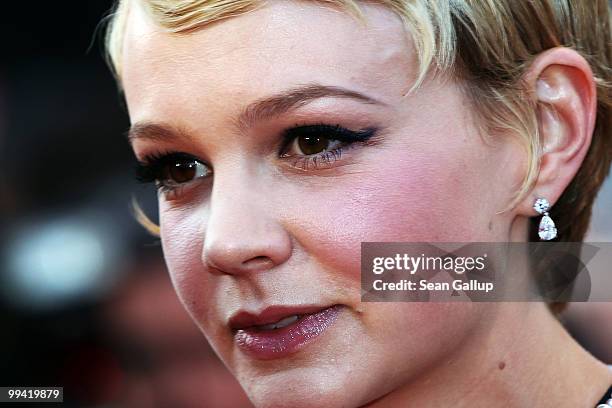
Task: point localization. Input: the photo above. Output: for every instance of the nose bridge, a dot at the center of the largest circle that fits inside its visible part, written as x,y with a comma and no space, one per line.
242,234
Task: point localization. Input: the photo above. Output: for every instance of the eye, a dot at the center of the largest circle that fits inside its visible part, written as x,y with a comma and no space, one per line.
313,146
183,171
172,170
310,145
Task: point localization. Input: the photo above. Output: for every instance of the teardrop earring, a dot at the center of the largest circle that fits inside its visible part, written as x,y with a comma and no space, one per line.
547,229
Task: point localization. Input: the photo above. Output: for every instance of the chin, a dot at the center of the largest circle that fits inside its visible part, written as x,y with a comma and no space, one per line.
347,379
304,390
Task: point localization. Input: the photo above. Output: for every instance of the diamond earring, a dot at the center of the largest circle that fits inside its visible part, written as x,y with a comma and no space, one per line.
547,229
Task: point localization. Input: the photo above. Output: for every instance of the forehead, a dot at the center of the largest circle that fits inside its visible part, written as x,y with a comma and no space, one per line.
279,45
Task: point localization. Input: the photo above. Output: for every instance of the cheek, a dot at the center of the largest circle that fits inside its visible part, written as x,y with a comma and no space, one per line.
182,239
421,331
406,197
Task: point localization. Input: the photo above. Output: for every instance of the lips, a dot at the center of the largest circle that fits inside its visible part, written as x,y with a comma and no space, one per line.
279,331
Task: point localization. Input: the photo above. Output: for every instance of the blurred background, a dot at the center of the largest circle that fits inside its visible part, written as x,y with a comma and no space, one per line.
85,300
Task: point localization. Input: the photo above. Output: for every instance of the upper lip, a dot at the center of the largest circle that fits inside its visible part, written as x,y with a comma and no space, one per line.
271,314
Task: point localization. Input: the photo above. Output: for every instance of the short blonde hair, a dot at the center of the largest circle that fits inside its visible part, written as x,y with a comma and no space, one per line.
488,43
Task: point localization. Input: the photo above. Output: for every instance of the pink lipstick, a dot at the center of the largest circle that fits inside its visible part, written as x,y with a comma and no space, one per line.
280,331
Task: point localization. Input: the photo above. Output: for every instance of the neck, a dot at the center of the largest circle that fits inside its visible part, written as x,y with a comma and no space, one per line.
523,357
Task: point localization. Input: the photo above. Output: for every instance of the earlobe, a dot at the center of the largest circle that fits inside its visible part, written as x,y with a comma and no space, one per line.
563,86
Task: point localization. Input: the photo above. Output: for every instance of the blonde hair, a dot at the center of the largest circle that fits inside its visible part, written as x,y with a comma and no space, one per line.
489,44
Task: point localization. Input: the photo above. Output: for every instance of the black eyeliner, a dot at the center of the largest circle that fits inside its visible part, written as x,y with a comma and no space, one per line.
332,132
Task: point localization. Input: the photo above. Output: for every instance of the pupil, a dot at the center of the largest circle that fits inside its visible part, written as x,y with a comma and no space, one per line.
312,144
182,172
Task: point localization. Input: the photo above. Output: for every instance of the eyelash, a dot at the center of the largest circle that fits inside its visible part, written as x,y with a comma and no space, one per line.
330,132
151,169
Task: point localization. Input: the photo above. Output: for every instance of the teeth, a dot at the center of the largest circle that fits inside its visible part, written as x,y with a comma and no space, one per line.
286,321
280,324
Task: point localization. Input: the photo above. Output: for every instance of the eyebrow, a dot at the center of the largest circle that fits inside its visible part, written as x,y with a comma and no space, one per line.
266,108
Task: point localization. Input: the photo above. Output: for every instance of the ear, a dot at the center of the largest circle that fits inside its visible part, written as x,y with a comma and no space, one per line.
562,82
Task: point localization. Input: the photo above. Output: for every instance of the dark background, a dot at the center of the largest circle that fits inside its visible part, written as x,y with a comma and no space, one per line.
85,301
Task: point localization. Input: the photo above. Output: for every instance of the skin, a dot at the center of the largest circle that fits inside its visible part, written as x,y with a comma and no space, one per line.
262,231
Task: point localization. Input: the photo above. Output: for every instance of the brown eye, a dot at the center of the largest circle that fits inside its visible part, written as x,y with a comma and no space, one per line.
312,144
182,171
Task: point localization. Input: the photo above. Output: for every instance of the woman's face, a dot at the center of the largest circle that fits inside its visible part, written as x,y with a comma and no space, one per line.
283,139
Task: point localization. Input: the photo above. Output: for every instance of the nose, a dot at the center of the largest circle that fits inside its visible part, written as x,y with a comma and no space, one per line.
242,235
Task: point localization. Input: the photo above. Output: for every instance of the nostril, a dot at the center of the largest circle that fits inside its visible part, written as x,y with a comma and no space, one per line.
257,263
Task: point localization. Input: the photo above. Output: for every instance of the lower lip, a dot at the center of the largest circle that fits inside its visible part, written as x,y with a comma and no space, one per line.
277,343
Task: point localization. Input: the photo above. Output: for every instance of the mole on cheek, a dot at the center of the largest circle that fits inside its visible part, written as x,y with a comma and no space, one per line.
502,365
